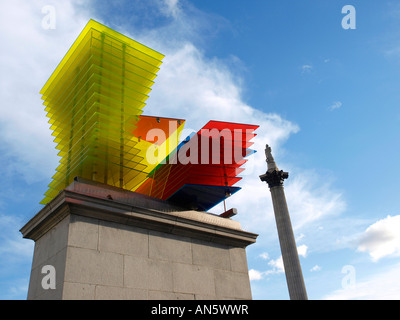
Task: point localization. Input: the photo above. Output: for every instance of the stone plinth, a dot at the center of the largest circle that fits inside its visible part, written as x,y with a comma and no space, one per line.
106,243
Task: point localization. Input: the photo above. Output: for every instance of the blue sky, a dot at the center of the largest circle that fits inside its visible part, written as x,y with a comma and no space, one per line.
326,100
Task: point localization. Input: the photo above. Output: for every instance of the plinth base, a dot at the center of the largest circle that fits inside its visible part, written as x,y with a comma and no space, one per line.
107,243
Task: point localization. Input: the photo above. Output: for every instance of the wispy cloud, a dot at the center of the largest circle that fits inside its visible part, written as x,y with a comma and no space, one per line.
306,68
310,199
315,268
335,105
171,7
390,44
31,53
16,258
264,256
11,242
276,265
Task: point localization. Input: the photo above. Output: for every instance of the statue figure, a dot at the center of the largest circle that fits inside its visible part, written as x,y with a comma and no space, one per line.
270,159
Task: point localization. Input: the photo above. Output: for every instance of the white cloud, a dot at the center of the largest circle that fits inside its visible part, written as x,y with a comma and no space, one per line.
302,250
311,199
300,237
198,88
189,85
382,239
264,256
255,275
29,55
171,8
11,242
276,264
335,105
381,286
306,68
315,268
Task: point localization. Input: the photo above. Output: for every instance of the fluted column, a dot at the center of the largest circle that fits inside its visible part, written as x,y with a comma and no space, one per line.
294,276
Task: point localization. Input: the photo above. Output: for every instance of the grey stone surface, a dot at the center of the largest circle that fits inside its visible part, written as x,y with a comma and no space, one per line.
79,291
189,278
118,293
233,285
83,232
162,295
123,239
238,259
144,273
94,267
290,257
163,246
102,254
211,254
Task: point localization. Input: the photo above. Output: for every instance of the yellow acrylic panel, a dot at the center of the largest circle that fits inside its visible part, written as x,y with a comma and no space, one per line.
94,100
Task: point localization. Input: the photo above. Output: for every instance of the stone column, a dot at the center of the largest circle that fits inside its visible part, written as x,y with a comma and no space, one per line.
294,276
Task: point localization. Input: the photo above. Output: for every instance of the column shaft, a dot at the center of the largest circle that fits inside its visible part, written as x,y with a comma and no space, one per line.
291,262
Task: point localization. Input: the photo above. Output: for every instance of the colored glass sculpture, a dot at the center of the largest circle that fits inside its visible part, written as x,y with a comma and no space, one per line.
94,101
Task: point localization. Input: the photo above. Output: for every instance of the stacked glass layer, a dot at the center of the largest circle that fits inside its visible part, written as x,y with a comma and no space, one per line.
94,102
205,168
94,99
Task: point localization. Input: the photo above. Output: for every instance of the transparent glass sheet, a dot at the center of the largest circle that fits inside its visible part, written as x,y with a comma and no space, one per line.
94,100
212,164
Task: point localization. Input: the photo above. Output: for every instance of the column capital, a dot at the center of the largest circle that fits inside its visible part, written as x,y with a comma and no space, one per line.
274,178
